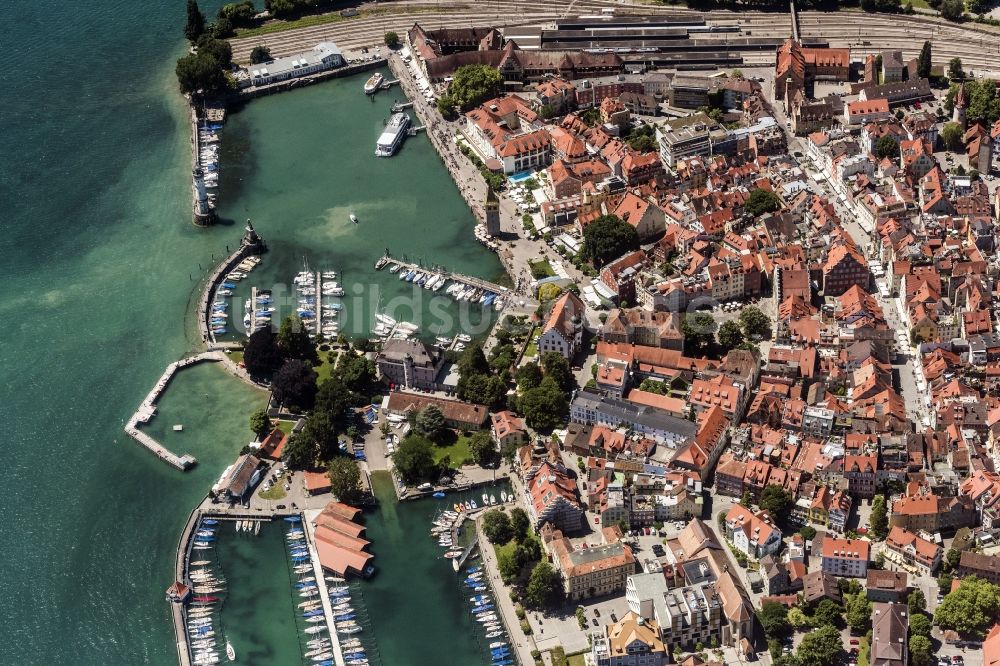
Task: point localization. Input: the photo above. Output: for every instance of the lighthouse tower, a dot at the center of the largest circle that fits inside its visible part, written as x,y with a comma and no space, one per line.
204,214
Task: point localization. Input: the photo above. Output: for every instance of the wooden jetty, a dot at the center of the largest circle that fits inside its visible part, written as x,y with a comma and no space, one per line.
147,410
324,592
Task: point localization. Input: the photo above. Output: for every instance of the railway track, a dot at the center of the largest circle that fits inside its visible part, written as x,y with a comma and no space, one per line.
978,46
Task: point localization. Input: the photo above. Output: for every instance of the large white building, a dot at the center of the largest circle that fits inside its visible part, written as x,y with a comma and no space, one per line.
323,56
752,534
845,557
563,331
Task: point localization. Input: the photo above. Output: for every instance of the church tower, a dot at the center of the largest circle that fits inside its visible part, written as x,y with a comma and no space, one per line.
961,104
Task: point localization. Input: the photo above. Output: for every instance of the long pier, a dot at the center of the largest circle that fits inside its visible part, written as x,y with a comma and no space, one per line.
147,410
324,592
467,280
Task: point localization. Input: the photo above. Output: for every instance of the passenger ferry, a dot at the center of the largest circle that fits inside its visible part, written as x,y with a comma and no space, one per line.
392,135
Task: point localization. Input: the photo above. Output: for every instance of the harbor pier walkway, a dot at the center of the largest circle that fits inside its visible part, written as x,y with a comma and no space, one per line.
147,410
324,593
467,280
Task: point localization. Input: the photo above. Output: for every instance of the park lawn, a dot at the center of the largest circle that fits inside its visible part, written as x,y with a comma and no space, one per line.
541,269
325,368
286,426
276,492
458,451
237,356
576,659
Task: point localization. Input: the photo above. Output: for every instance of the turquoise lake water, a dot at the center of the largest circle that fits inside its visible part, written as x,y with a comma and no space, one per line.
99,265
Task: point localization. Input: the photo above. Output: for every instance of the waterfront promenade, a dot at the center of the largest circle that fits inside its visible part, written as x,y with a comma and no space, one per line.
519,641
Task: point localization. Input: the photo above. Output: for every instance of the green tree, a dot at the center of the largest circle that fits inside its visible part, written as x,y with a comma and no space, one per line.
917,603
775,500
472,85
391,39
886,146
951,136
820,648
219,49
195,25
528,376
299,452
955,71
971,608
773,618
238,13
808,532
473,361
294,385
879,519
730,335
259,423
944,582
556,368
762,201
335,399
924,61
293,339
920,625
797,619
484,451
496,527
952,10
607,238
430,422
483,389
345,479
921,653
519,523
200,72
259,54
321,431
654,386
508,565
262,356
699,331
544,587
755,322
828,614
858,612
222,28
746,499
951,559
414,459
446,107
545,406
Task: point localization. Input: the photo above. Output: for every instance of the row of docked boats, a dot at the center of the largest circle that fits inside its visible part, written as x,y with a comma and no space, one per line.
208,157
435,281
219,313
320,647
483,608
248,526
318,313
258,311
207,587
387,327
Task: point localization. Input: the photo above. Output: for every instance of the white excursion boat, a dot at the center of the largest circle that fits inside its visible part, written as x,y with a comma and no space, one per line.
374,83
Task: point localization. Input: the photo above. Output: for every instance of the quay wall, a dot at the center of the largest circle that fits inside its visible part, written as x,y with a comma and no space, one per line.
246,94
